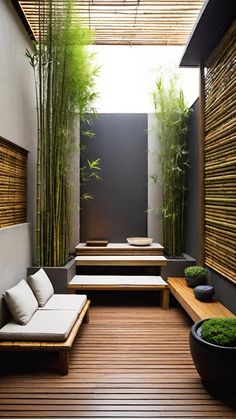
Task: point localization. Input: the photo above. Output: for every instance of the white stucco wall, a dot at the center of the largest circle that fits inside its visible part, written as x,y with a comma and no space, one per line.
18,125
17,98
75,190
154,226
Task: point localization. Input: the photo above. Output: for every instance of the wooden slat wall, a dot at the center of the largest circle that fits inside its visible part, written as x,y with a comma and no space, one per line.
13,184
220,157
128,362
130,22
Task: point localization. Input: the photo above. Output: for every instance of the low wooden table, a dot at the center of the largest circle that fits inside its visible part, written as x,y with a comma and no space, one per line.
121,283
197,310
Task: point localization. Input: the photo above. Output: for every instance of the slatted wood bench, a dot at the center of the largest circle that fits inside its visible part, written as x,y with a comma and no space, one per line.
62,348
197,310
121,283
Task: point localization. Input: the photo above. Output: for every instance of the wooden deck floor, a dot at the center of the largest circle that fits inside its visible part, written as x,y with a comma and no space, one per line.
128,362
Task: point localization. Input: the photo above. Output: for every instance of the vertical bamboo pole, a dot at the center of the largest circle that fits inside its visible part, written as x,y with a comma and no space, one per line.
39,145
201,168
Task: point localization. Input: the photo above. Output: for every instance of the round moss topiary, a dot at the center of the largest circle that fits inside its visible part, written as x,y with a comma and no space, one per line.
195,275
220,331
195,271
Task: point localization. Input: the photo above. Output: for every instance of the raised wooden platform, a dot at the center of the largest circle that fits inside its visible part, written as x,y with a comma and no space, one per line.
121,283
119,249
129,362
196,309
120,260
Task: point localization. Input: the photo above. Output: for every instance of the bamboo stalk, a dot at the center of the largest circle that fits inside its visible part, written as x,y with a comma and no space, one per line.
58,100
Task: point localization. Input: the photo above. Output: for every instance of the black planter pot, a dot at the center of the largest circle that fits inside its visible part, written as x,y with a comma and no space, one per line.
215,364
195,281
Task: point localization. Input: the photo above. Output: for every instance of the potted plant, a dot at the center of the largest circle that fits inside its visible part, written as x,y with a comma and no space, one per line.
213,350
195,275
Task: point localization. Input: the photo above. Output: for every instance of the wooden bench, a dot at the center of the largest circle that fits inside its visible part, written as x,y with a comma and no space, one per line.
121,283
196,309
62,347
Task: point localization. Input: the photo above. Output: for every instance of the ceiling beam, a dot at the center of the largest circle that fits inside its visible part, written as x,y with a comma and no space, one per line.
23,19
212,24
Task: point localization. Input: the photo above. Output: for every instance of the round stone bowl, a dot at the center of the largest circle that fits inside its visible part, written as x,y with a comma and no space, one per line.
204,292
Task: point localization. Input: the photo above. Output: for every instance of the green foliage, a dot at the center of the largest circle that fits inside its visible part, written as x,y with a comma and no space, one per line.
64,80
195,271
220,331
89,172
172,126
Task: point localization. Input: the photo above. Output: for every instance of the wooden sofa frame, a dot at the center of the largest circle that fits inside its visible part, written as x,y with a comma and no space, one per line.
62,347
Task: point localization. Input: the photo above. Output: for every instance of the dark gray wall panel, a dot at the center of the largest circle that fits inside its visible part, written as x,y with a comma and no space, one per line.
225,290
119,208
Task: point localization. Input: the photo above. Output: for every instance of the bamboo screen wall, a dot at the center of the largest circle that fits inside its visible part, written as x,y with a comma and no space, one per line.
13,184
220,157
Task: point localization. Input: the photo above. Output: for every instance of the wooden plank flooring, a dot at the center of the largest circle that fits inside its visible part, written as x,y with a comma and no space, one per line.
128,362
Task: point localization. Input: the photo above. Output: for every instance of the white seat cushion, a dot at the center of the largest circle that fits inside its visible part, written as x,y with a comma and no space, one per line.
21,302
65,302
41,286
45,325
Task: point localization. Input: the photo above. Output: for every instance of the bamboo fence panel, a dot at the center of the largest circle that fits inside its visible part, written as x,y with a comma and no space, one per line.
220,157
13,184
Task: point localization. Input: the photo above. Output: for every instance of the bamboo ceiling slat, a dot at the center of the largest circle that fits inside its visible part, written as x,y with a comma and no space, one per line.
154,22
220,158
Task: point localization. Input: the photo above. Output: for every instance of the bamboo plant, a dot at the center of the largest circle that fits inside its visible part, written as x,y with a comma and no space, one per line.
64,78
172,115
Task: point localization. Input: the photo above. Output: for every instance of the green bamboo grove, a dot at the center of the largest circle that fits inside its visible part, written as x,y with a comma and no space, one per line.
172,126
64,79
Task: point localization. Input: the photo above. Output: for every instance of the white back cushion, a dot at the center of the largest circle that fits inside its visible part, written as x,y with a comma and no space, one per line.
21,302
41,286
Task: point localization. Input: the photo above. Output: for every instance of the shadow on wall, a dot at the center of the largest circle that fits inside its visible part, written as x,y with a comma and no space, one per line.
225,290
15,256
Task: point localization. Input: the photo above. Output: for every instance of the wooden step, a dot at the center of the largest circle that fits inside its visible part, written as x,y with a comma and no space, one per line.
121,283
119,249
197,310
120,260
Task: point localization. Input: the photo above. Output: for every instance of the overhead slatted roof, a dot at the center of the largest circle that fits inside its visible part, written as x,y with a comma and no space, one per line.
130,22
